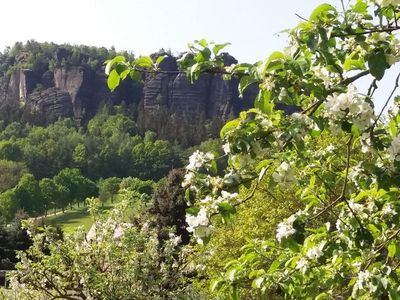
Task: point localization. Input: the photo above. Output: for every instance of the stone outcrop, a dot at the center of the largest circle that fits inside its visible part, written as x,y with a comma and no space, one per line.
167,102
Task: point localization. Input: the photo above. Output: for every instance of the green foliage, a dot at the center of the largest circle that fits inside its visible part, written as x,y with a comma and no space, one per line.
10,174
343,242
108,188
114,261
27,194
76,187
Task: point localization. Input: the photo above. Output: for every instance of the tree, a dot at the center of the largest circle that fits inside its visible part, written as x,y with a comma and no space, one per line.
8,206
50,193
117,261
28,196
11,173
108,188
75,186
10,151
354,184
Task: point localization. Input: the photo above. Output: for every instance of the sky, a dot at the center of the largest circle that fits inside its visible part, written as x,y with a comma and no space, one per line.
253,27
145,26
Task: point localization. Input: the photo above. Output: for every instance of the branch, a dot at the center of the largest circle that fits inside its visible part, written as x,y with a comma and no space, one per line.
389,30
396,85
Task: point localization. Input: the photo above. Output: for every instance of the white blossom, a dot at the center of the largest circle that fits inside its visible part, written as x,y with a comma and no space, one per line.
315,252
176,239
388,210
356,207
351,107
201,219
363,277
285,229
268,83
394,149
284,175
188,179
302,264
226,148
197,160
385,3
323,74
282,94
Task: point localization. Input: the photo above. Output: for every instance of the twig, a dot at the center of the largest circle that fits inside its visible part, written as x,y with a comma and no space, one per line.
300,17
389,30
372,88
387,102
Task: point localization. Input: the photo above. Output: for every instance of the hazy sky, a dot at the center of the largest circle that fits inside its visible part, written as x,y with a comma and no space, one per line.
145,26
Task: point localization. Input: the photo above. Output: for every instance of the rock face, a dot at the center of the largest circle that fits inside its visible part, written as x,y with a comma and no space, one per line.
171,102
167,102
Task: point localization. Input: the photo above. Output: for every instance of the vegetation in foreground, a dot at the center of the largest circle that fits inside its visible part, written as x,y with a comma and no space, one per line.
331,171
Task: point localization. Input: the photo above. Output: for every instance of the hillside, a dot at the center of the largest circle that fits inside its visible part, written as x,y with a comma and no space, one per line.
40,82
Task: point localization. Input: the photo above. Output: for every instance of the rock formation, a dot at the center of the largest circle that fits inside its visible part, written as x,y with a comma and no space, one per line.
167,102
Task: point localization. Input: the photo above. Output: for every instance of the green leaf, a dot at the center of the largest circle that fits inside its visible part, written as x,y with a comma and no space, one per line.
124,73
231,125
321,12
187,195
274,61
110,63
144,62
235,293
244,83
160,59
193,210
393,128
274,266
352,62
203,55
227,211
377,64
263,102
215,283
135,75
218,47
213,167
256,284
203,43
392,249
322,296
113,80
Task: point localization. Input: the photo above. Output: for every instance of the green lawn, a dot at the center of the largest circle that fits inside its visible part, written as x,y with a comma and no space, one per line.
73,218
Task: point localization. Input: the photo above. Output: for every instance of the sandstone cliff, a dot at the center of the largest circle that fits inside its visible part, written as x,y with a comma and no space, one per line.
167,102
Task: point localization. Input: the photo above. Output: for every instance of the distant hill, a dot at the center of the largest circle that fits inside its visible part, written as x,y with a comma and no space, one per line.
40,82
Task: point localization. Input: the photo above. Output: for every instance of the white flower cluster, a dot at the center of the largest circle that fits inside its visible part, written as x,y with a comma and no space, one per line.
356,174
394,149
284,175
213,203
315,252
303,123
197,160
385,3
286,229
199,225
323,74
351,107
364,283
394,55
268,83
302,264
388,210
